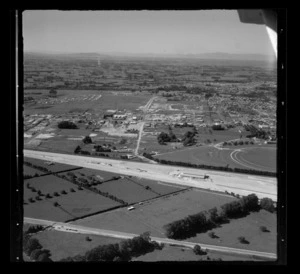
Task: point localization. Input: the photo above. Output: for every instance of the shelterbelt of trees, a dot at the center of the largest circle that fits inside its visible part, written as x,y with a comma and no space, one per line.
122,251
206,220
221,168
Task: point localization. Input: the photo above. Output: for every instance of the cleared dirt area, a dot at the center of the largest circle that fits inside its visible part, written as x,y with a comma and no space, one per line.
65,244
153,215
248,227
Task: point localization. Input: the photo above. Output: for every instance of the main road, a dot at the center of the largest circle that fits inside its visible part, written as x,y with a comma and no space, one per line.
67,227
241,184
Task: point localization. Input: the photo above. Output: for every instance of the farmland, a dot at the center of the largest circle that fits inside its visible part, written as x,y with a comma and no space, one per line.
71,204
64,244
248,227
130,190
153,215
80,101
204,112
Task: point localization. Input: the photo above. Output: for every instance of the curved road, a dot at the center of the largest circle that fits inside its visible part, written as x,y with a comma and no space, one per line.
67,227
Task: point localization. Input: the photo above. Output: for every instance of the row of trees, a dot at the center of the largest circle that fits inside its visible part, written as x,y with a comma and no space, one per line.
122,251
202,166
28,176
188,138
256,132
41,168
67,125
47,196
240,142
206,220
82,182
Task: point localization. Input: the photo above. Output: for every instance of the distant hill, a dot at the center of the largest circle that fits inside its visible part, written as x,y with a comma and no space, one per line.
230,56
210,56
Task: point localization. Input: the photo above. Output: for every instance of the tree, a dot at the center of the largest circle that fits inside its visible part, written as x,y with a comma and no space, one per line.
250,202
87,140
31,245
35,254
123,141
233,209
212,235
56,204
197,250
53,92
44,258
243,240
263,229
163,137
267,204
213,215
66,124
77,149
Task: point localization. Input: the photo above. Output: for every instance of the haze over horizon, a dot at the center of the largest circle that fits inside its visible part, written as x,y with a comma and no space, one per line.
143,32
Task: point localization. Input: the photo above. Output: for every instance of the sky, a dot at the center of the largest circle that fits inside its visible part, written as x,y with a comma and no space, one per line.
158,32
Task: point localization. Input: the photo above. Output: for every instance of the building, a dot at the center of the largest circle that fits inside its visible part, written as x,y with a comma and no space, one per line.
119,116
191,176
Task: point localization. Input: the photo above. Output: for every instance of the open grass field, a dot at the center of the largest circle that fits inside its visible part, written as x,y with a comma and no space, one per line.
153,215
58,144
263,158
46,211
251,157
64,244
127,191
72,204
248,227
56,167
46,184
